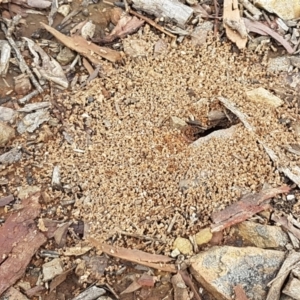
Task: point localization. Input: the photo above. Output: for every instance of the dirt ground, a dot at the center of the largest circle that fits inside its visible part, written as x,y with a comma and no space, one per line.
127,172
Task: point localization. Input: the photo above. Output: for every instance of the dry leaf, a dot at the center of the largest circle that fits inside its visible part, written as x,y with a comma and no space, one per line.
234,24
134,286
137,256
245,208
258,27
19,240
85,48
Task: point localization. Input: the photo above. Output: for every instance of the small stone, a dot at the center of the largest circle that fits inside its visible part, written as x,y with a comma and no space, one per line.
203,236
135,48
115,15
285,9
88,30
90,99
11,156
64,9
290,197
295,61
32,121
192,2
6,134
22,84
220,269
86,12
263,96
296,127
80,269
175,253
279,64
176,122
292,288
200,33
14,294
24,285
183,245
7,114
65,56
25,192
91,293
51,269
262,236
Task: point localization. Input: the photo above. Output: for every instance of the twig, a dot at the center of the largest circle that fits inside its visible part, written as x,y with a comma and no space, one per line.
216,19
28,97
108,3
118,109
251,9
170,227
194,243
6,83
127,8
110,288
73,64
188,281
151,22
267,19
23,66
53,11
296,46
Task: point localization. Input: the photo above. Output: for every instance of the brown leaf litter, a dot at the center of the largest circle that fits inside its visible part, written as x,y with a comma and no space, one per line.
242,210
19,240
154,261
85,48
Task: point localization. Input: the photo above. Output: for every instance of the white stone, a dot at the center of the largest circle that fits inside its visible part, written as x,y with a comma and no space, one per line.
263,96
51,269
64,9
175,253
220,269
290,197
285,9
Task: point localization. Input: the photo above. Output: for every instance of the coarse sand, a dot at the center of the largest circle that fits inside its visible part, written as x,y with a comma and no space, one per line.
131,172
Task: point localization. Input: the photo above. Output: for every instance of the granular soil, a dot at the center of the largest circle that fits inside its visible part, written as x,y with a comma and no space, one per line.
129,170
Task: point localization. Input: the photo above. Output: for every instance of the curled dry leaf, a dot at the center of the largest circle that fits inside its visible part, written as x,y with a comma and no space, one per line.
50,68
258,27
126,25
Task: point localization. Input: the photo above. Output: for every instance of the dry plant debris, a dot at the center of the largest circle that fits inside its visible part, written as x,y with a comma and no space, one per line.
127,168
244,209
17,233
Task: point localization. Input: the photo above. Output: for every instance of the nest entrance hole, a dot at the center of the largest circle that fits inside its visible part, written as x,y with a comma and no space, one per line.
214,121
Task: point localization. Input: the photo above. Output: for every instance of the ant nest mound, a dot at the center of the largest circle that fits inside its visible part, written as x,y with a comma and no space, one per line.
137,171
